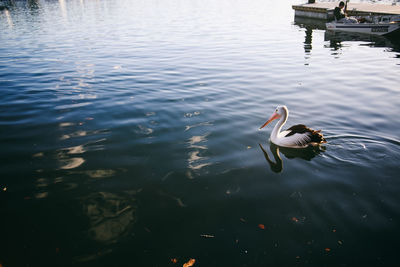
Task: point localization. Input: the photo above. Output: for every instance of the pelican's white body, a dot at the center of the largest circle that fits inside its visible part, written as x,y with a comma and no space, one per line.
294,140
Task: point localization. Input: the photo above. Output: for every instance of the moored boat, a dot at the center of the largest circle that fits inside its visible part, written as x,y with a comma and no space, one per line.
383,25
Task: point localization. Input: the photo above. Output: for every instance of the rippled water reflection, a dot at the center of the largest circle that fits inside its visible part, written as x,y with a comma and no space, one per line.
129,136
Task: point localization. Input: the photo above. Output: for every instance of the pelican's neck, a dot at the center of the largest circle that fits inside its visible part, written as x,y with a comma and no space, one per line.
277,129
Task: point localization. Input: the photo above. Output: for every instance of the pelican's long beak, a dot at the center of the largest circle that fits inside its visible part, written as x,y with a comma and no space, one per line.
274,116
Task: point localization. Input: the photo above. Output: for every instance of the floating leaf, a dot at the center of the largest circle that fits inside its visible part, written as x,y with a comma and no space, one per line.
327,249
261,226
242,220
174,260
189,263
295,219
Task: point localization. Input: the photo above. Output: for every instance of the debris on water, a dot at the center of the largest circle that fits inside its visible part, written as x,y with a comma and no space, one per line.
5,189
248,147
189,263
174,260
365,216
242,220
261,226
327,249
207,236
340,242
298,220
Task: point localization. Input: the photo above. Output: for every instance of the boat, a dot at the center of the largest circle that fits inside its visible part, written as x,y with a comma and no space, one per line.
380,25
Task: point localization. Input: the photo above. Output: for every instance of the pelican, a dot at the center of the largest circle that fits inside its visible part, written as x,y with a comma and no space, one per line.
297,136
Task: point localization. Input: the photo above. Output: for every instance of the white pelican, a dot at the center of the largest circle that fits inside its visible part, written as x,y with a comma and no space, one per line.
297,136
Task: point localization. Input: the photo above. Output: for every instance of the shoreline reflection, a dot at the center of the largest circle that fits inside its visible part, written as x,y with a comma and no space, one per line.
290,153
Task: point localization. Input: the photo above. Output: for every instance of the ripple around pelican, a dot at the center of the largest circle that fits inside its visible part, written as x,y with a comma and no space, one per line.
360,150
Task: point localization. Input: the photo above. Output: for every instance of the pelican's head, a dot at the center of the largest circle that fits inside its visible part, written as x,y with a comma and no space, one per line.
280,111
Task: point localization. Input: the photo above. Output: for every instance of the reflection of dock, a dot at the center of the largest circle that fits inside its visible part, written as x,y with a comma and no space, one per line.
325,10
336,38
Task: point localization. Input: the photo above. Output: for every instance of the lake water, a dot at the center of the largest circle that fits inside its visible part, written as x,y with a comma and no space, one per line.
129,137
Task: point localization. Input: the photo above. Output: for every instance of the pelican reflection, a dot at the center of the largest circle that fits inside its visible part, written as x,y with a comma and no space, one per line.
290,153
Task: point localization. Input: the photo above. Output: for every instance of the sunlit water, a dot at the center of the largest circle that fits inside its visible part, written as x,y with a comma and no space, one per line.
129,137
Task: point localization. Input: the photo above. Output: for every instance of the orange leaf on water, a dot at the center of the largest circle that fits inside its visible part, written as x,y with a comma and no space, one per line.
174,260
295,219
327,249
189,263
261,226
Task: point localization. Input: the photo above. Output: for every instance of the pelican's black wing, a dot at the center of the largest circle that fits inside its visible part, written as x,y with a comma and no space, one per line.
315,136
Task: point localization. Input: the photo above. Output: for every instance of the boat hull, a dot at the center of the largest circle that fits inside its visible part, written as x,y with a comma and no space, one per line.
368,28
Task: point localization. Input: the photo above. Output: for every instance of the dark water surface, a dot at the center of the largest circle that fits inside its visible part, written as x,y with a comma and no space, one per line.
129,137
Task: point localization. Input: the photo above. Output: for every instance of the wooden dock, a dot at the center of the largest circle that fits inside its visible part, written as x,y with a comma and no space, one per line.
324,10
